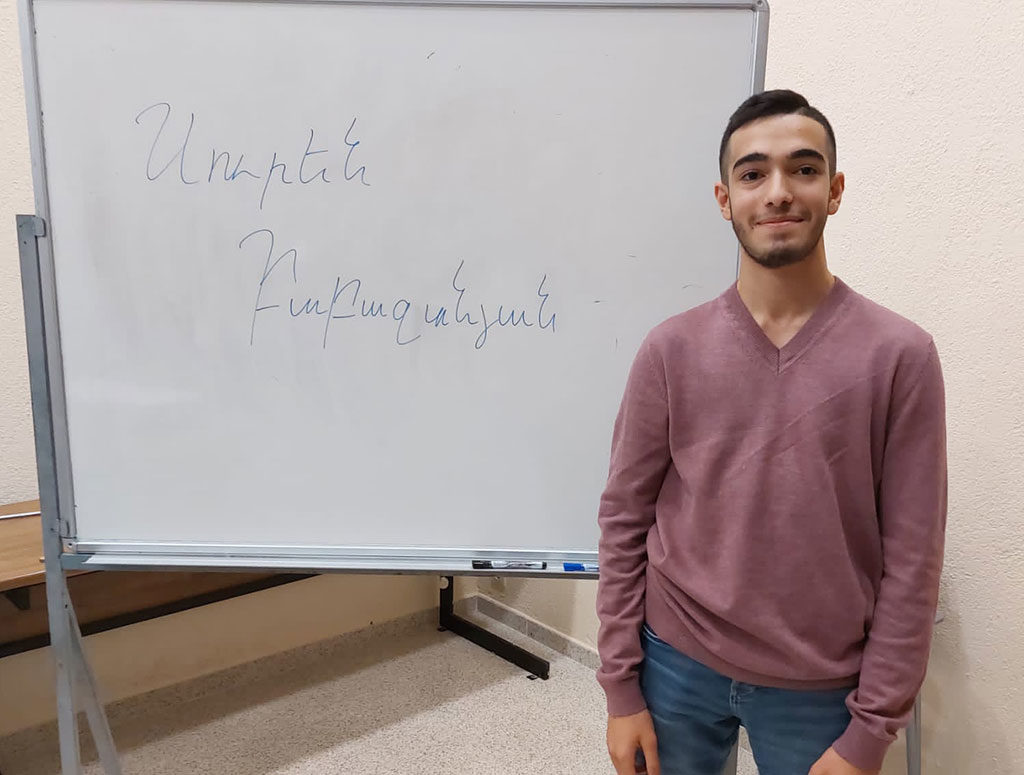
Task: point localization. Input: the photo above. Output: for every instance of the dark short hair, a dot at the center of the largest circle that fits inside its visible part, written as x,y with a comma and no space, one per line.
778,102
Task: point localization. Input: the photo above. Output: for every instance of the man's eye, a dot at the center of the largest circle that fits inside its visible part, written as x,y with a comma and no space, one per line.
808,171
749,175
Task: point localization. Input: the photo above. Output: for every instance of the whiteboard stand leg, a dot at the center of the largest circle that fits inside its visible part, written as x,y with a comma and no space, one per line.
913,736
60,646
65,636
447,620
30,228
99,726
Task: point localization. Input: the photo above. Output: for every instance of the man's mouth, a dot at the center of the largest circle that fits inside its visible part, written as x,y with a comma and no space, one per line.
779,221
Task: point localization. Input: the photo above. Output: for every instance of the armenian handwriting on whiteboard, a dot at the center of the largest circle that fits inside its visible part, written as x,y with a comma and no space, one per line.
348,300
230,166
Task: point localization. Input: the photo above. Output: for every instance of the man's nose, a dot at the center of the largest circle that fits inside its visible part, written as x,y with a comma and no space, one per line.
777,190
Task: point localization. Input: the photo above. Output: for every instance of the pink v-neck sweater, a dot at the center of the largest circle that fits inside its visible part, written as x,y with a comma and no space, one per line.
779,514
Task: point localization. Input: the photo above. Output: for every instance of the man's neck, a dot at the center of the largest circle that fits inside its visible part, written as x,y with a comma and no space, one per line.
787,294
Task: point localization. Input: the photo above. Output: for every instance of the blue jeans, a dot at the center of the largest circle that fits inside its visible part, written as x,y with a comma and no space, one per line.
697,713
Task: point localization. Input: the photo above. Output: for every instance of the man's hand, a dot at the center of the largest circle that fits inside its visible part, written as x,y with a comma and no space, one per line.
626,735
832,763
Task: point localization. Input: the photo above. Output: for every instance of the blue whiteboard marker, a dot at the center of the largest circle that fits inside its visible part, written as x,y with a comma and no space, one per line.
585,567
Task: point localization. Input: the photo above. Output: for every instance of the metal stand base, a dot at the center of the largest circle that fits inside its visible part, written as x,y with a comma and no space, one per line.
447,620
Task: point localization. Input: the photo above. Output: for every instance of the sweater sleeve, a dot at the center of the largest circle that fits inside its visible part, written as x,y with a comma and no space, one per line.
912,521
639,459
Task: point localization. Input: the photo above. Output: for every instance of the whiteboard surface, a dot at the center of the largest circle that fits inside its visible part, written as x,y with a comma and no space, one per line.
259,210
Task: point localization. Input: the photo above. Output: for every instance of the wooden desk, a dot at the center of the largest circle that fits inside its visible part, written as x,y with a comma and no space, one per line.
25,507
103,599
21,547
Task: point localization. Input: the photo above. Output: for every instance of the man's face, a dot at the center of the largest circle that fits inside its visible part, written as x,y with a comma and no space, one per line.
778,190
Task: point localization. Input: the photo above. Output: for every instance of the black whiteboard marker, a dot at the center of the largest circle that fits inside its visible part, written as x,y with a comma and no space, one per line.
509,565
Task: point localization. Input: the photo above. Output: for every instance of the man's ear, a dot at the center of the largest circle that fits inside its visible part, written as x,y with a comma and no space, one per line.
835,193
722,197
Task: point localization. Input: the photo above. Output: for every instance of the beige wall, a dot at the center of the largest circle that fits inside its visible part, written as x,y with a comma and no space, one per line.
17,451
927,100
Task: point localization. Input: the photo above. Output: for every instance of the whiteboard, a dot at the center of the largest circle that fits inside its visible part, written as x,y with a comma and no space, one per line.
346,279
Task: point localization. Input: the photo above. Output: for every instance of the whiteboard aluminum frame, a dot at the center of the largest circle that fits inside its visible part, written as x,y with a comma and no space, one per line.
297,559
45,348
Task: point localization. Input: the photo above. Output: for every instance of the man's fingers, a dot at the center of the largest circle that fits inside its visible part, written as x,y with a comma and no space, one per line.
623,764
640,767
631,740
650,747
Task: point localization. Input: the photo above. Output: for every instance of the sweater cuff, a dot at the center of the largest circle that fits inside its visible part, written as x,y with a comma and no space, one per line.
861,748
625,697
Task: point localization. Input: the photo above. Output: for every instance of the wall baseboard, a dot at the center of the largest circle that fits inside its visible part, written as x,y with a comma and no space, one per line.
532,628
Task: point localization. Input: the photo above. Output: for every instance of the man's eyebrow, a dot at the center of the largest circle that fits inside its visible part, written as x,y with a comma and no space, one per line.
803,153
807,153
749,158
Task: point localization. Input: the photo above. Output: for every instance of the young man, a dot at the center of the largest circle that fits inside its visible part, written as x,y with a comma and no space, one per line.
773,524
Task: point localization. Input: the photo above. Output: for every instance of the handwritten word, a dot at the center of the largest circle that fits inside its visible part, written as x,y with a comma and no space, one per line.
226,166
348,300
